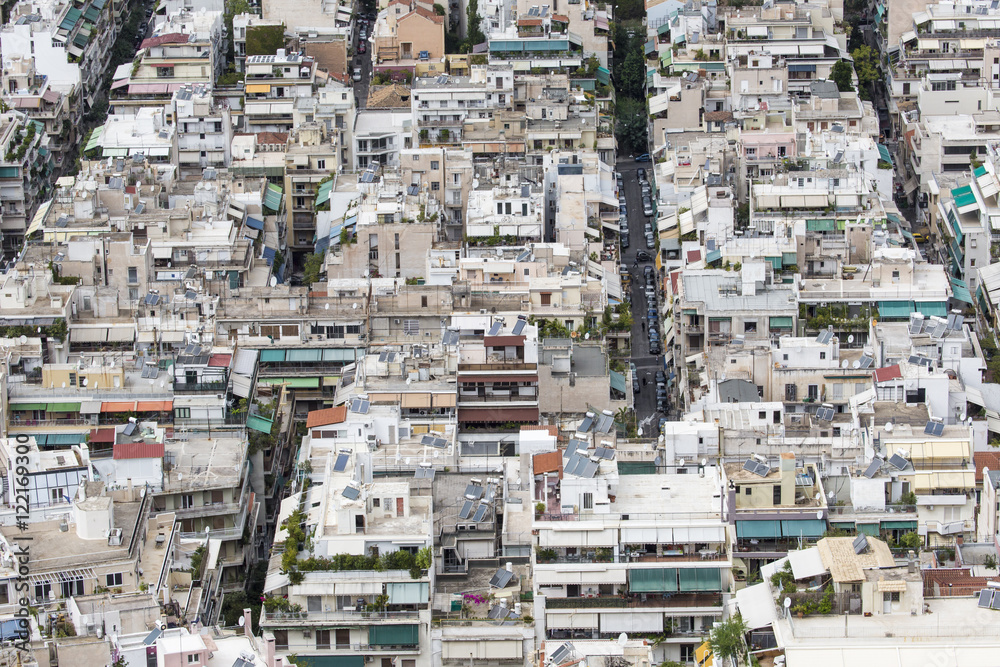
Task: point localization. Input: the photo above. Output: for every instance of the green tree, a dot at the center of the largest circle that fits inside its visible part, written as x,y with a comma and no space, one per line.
842,74
974,160
474,32
727,638
632,74
866,67
313,268
233,8
438,9
630,125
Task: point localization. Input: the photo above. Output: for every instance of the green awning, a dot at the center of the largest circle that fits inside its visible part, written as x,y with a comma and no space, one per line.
652,580
868,529
899,525
789,258
339,354
63,407
636,468
666,58
960,291
803,528
304,355
393,635
713,256
95,139
700,579
618,382
272,197
92,14
650,46
821,225
690,311
883,154
895,309
408,593
330,661
258,423
781,322
928,308
272,355
72,16
295,383
27,406
323,194
979,171
81,39
758,529
664,28
968,199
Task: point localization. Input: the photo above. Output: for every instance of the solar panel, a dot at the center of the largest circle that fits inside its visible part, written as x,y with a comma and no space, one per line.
995,603
501,578
897,461
763,470
450,338
605,423
523,256
129,428
561,654
574,446
152,299
874,467
360,406
424,472
497,613
473,492
150,371
605,453
865,362
495,329
824,337
576,465
466,510
427,440
955,321
413,190
934,428
190,295
341,463
440,443
519,326
588,422
382,357
825,414
480,513
390,357
351,492
192,350
860,544
152,637
940,326
589,470
750,465
985,597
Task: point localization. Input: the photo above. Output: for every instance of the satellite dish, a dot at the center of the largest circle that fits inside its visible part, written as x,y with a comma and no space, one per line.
207,530
856,365
888,427
23,339
242,621
327,307
704,462
787,603
622,639
680,463
354,306
845,363
962,418
819,513
850,339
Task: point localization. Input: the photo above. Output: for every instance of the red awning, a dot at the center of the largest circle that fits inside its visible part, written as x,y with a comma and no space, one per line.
498,378
102,435
154,406
118,406
503,341
888,373
497,415
220,360
138,450
120,84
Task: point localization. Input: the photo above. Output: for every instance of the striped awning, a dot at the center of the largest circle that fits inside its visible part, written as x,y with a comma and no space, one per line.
891,586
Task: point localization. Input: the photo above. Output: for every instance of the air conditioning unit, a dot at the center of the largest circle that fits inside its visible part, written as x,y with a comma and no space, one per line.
307,634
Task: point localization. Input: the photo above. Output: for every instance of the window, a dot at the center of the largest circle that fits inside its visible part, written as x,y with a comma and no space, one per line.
194,659
762,415
343,638
72,588
435,165
72,379
776,494
322,639
588,501
891,597
687,652
411,327
750,327
838,391
822,355
42,591
814,391
113,579
423,302
435,186
56,495
281,640
187,501
182,413
314,603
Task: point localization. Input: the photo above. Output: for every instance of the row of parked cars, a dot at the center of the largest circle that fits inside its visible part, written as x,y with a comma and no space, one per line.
652,310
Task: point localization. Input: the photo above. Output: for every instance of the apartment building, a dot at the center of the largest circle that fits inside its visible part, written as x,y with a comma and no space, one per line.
24,172
273,84
37,98
205,130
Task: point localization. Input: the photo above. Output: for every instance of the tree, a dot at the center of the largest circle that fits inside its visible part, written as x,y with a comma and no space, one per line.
474,32
632,75
866,67
313,268
233,8
439,9
843,75
726,638
630,125
974,160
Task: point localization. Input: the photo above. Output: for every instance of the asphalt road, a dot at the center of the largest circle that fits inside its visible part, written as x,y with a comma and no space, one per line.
364,61
645,363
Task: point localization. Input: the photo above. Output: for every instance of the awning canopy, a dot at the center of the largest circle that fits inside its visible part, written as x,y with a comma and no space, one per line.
154,406
497,415
88,335
118,406
960,291
618,382
895,309
883,154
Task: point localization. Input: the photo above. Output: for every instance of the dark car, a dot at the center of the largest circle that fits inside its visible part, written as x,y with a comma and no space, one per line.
643,256
635,384
643,158
623,211
648,270
640,173
361,48
655,349
624,241
661,377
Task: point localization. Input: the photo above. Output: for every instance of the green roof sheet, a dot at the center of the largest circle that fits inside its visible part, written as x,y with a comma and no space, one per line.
979,171
618,382
958,192
323,194
72,17
272,197
960,291
967,199
883,154
92,14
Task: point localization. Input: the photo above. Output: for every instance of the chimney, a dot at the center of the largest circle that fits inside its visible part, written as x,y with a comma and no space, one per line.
911,561
248,623
269,649
787,478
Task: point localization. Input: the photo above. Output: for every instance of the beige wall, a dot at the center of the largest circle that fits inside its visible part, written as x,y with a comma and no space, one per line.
423,34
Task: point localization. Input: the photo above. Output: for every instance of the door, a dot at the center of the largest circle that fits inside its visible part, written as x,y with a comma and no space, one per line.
886,603
399,507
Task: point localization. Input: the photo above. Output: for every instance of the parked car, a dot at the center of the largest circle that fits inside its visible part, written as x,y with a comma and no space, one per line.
643,256
650,241
357,74
655,349
919,238
624,242
649,271
661,377
643,158
640,173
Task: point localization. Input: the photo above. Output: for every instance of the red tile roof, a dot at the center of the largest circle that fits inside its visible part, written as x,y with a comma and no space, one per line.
327,416
548,462
887,373
172,38
220,360
426,13
138,450
989,460
947,582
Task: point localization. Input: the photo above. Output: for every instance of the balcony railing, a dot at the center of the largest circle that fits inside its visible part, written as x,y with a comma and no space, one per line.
199,387
638,600
280,618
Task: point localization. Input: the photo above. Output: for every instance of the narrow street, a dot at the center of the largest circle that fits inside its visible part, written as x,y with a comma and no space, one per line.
645,363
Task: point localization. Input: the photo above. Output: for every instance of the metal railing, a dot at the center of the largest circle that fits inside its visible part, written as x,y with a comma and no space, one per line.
279,617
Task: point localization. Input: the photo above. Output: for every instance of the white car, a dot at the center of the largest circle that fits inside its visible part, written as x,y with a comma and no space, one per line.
357,74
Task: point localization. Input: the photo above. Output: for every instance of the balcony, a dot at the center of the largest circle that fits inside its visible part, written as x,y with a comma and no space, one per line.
199,387
638,601
291,618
